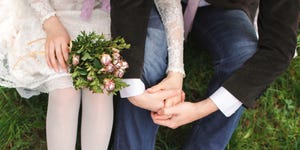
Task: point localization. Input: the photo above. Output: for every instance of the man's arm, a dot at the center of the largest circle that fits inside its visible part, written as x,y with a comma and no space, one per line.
277,26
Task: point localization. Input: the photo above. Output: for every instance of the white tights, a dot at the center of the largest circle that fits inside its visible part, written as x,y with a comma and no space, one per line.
62,119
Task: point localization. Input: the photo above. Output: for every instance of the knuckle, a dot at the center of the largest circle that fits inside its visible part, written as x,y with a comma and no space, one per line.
173,126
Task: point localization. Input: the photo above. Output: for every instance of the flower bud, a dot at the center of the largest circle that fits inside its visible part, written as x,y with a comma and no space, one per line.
89,78
110,68
109,85
116,62
124,65
115,50
75,60
116,56
119,73
119,65
105,59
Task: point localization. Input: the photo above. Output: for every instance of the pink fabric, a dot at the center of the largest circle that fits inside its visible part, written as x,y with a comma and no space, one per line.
87,9
105,5
88,6
189,15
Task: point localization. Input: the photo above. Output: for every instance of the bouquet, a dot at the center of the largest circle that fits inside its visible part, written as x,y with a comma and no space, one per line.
96,63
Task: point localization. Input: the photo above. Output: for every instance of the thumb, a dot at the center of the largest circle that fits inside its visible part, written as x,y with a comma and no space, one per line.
170,110
182,96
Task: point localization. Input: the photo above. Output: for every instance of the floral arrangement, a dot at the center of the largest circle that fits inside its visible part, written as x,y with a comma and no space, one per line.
96,63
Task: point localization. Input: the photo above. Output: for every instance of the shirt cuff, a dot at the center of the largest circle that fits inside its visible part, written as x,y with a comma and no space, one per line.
136,87
225,101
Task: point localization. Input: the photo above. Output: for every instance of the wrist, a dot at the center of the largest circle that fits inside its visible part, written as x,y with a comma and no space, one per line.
175,74
206,107
51,24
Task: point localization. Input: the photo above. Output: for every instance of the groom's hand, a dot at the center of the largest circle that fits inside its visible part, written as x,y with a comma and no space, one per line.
172,81
153,101
185,112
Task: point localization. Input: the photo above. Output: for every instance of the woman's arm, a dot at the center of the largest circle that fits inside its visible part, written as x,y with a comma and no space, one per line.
172,18
57,40
42,8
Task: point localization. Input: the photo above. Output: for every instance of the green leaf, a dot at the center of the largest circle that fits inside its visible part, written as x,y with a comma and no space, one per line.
97,64
86,56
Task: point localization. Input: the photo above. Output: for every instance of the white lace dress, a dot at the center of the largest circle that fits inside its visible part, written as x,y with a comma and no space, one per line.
22,57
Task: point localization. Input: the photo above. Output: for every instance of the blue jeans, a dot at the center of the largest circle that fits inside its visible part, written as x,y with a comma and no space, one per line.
230,38
134,128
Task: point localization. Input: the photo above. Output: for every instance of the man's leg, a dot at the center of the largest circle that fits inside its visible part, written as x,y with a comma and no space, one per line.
135,129
230,38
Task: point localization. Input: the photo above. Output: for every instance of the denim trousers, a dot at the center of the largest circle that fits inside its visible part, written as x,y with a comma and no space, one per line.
230,38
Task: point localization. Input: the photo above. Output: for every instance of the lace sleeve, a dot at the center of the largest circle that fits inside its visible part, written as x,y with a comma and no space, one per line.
171,14
42,8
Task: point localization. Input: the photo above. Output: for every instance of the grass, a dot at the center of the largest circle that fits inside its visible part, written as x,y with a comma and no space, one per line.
275,124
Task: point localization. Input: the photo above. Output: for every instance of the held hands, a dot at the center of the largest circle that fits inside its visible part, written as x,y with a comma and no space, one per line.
153,101
172,81
56,44
165,94
184,113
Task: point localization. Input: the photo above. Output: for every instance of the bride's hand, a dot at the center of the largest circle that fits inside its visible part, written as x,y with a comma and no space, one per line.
172,81
56,46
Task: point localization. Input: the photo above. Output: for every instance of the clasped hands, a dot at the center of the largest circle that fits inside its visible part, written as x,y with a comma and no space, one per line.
166,103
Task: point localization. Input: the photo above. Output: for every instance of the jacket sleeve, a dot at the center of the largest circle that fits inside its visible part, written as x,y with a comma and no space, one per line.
129,19
277,26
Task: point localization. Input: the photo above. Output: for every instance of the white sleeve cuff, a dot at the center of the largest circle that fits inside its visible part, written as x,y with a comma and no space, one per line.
225,101
136,87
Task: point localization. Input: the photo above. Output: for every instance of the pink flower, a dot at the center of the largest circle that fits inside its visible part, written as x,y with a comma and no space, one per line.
116,56
124,65
110,68
118,65
109,85
75,60
89,78
119,73
105,59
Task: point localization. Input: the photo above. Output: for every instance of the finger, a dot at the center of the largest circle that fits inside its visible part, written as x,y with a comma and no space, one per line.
171,110
59,56
182,96
152,114
156,116
162,117
52,56
156,88
47,54
168,123
172,101
165,94
65,51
